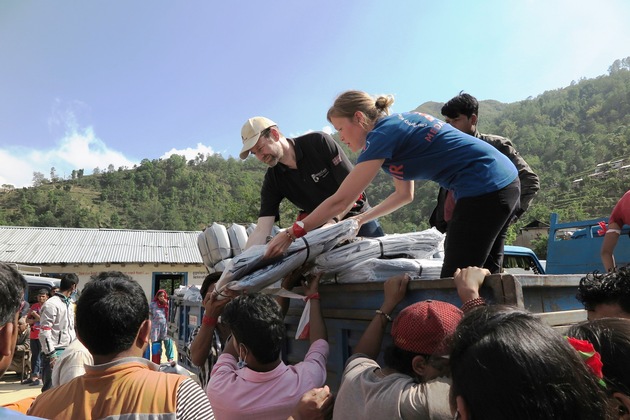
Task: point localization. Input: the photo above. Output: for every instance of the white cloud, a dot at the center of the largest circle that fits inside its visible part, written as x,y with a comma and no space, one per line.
189,152
78,149
328,129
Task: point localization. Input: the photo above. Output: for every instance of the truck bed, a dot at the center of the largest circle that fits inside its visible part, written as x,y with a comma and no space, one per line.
348,309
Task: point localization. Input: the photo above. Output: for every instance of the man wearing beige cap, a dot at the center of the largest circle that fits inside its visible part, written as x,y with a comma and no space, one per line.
415,382
306,170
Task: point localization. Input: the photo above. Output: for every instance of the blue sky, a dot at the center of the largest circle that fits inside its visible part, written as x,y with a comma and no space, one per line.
85,84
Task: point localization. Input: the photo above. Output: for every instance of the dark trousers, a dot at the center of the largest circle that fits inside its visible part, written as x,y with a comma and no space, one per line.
36,357
371,229
476,233
46,373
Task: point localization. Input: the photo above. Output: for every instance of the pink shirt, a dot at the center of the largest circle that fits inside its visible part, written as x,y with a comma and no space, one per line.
245,394
621,212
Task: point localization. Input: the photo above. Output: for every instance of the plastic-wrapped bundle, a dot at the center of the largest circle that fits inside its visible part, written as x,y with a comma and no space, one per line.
431,268
379,270
376,270
222,265
268,274
192,294
204,250
238,238
414,245
250,272
214,244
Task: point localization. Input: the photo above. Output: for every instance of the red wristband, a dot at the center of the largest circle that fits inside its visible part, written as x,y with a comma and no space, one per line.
313,296
209,320
473,303
298,231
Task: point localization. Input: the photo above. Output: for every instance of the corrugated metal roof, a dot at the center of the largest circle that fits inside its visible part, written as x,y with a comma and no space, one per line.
72,245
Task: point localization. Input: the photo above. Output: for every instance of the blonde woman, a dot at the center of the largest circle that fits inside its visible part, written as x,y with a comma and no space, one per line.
414,146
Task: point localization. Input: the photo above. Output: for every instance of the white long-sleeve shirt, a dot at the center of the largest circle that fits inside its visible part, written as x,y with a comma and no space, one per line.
56,323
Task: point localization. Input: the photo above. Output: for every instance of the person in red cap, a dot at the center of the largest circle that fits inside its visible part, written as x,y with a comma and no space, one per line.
415,381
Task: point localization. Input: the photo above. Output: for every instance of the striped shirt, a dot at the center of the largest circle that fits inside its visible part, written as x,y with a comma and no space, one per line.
126,388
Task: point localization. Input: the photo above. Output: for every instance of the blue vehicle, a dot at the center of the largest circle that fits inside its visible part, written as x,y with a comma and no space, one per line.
574,247
521,260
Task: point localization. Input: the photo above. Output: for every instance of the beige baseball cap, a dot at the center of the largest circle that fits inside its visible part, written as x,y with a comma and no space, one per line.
250,133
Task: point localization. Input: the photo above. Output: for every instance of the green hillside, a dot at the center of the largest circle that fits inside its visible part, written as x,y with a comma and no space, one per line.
566,135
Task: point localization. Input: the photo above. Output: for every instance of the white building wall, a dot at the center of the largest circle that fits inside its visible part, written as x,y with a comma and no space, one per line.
142,273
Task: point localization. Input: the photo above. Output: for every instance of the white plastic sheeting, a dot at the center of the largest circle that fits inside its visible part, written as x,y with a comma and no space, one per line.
249,272
238,238
250,228
222,265
414,245
217,244
379,270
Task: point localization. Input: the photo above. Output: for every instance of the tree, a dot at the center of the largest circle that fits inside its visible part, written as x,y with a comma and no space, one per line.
39,179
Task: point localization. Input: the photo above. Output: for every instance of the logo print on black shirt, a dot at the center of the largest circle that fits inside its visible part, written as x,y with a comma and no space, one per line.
319,175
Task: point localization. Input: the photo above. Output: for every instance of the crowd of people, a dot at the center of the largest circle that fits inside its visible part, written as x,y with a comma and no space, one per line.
443,362
476,361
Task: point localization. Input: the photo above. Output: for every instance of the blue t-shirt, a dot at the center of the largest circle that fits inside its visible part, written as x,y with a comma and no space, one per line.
418,146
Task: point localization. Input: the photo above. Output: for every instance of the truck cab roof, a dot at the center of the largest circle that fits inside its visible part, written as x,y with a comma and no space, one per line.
36,283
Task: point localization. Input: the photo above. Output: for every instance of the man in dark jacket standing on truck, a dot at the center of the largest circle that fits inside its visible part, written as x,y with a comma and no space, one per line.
462,112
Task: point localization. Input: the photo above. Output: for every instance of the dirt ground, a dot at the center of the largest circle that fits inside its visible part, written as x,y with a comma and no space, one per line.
12,390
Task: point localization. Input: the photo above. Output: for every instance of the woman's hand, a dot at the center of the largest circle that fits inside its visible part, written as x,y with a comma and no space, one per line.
358,218
278,245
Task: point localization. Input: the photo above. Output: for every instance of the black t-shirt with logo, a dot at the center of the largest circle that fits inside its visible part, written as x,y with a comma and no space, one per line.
321,167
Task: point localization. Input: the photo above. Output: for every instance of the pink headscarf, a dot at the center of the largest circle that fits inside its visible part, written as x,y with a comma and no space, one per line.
160,304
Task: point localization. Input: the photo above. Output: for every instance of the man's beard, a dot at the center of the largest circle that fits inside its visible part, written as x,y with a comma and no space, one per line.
272,159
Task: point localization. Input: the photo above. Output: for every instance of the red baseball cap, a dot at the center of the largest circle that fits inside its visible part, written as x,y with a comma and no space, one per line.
424,327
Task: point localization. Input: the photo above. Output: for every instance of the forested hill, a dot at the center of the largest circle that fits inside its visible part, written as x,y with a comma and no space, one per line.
565,135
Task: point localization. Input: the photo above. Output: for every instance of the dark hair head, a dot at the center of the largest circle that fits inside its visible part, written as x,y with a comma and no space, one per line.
462,104
399,360
42,292
611,338
209,281
12,286
110,311
256,321
507,364
67,281
402,361
611,288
